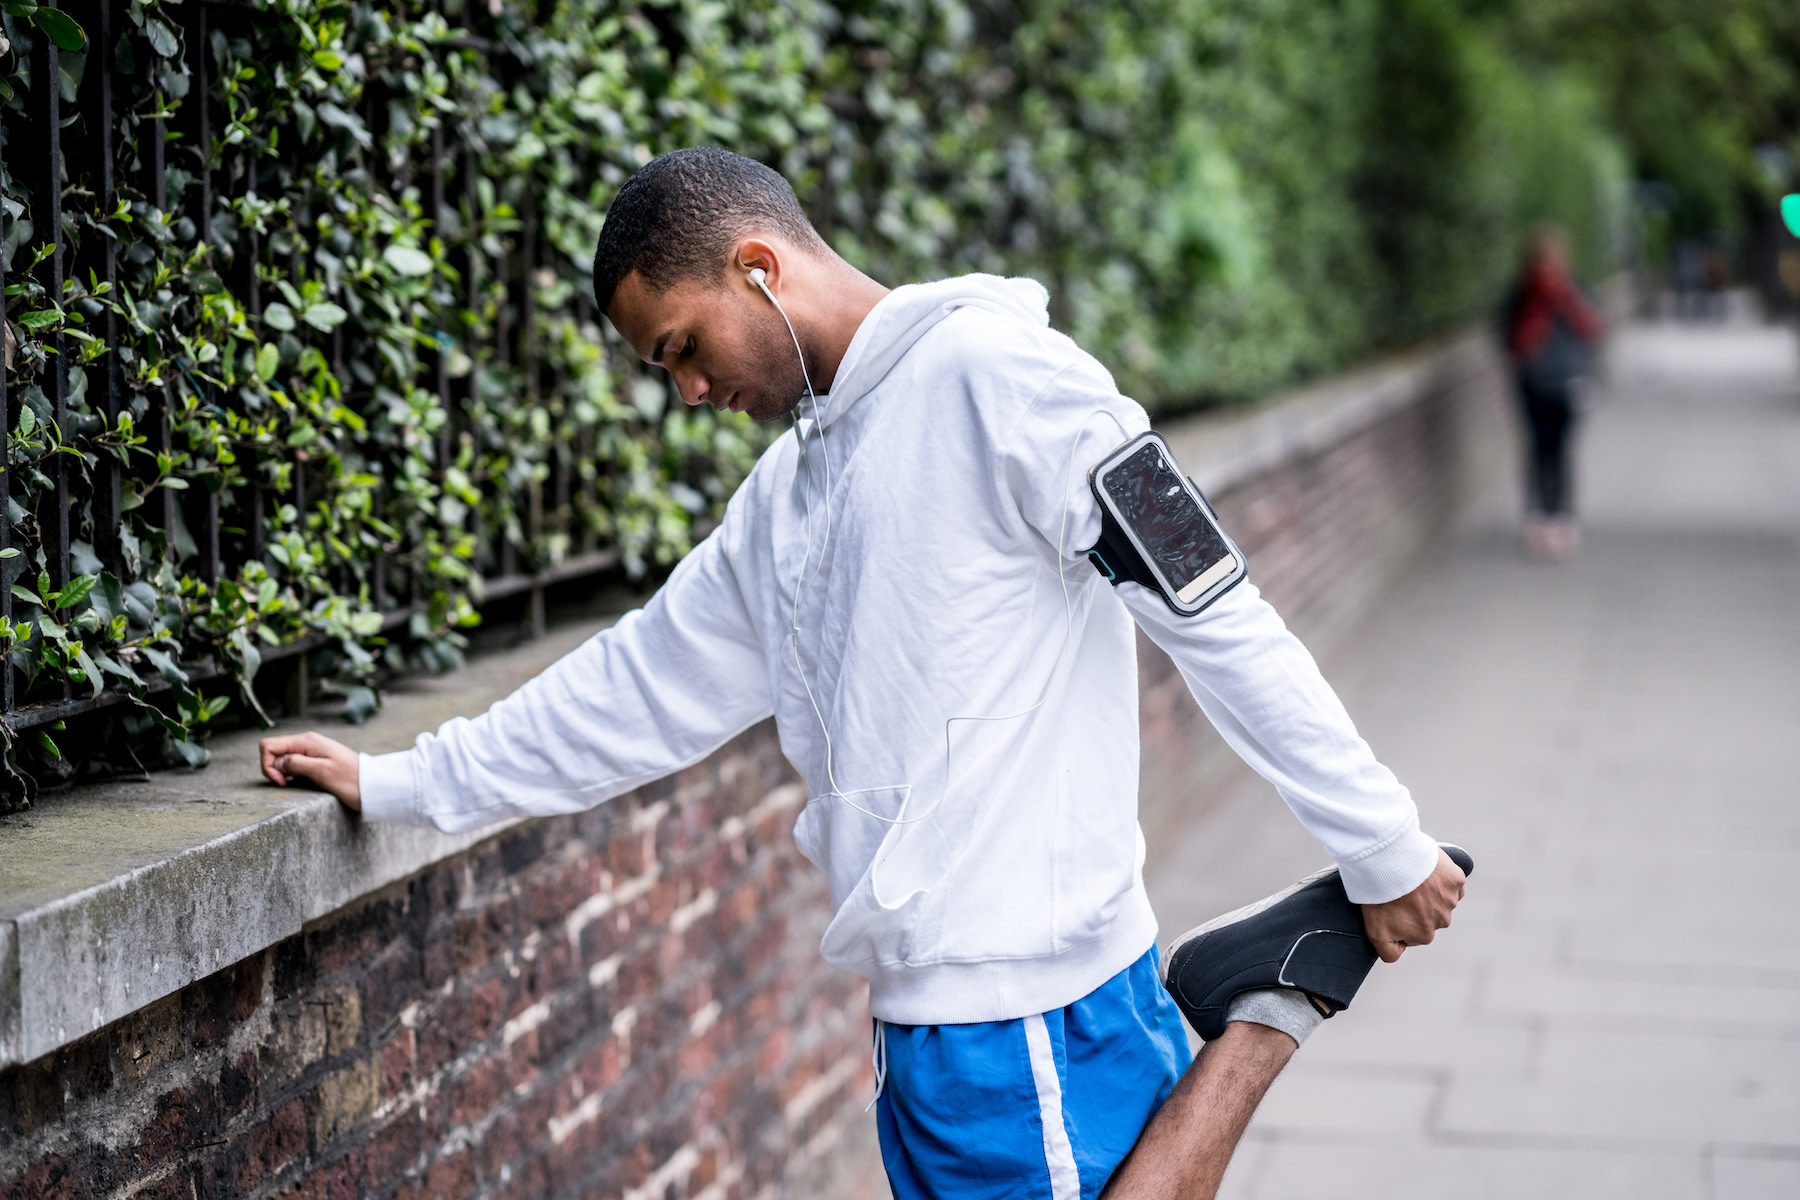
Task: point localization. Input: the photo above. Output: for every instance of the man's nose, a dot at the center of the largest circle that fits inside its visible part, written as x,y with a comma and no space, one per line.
693,387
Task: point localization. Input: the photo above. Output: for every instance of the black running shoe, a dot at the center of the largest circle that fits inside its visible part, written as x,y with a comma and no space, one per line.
1308,937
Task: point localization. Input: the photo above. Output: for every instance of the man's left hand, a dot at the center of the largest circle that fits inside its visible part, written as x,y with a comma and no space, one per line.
1415,918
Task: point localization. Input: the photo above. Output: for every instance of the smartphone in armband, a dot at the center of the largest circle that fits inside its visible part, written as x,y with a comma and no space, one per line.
1157,530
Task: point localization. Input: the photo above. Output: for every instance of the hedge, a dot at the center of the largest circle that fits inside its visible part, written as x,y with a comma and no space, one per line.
353,330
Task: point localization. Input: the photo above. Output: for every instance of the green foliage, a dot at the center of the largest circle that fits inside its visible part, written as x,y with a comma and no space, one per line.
1467,148
1223,195
280,352
374,351
1698,92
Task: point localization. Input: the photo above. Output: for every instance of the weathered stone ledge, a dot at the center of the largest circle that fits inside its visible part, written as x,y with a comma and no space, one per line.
1223,451
116,895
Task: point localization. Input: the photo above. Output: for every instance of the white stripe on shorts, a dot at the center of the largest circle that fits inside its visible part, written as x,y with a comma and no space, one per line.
1065,1181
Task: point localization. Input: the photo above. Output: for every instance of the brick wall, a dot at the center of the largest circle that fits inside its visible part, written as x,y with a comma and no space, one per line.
625,1003
630,1003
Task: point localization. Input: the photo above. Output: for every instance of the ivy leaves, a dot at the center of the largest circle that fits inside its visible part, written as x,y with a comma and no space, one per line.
322,315
57,25
280,355
405,260
161,37
74,593
375,357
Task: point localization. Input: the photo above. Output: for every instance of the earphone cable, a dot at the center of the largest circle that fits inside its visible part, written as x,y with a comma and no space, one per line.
758,277
800,581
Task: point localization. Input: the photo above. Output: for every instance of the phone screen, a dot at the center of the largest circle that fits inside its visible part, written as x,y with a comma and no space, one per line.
1176,534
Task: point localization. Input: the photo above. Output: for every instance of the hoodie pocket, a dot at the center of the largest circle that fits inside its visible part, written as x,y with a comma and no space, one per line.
843,832
890,866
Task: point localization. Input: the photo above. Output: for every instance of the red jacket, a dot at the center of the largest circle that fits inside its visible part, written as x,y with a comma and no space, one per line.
1545,294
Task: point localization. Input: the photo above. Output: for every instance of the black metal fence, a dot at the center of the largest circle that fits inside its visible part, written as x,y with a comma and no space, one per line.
77,145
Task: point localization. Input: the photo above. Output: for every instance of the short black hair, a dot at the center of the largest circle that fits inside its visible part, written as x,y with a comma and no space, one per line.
680,215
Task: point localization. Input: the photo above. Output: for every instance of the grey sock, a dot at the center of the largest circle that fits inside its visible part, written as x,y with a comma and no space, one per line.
1278,1008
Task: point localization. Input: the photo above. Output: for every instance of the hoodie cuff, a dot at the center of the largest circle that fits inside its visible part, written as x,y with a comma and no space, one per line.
386,783
1391,871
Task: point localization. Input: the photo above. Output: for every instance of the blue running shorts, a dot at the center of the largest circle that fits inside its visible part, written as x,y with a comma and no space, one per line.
1041,1108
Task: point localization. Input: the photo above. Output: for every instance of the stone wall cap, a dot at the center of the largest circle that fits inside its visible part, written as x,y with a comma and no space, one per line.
1224,449
114,895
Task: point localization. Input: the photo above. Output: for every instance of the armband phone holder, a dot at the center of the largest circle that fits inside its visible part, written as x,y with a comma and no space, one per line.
1157,530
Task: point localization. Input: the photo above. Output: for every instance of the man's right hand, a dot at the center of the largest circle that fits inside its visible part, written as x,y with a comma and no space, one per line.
1415,918
329,765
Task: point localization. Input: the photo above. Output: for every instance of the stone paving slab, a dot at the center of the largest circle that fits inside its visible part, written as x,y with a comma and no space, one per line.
1562,1000
1352,1104
1616,1011
1290,1170
1754,1178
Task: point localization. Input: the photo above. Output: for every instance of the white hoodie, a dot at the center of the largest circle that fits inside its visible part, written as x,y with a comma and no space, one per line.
956,683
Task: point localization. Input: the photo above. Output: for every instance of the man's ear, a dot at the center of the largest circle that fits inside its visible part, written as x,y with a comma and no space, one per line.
754,253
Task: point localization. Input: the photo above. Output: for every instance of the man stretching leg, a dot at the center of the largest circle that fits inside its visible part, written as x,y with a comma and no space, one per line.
901,582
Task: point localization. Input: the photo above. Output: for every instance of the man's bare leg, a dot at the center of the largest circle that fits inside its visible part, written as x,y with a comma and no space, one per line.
1183,1152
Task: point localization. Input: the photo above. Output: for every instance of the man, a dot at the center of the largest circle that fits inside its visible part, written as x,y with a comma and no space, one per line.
901,582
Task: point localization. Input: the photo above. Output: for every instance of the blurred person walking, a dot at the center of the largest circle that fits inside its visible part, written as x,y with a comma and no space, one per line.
1551,331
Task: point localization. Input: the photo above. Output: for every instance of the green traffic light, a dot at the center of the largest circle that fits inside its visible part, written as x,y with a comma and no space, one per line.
1790,212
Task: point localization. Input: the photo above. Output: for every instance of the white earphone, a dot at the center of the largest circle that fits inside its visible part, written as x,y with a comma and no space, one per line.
760,278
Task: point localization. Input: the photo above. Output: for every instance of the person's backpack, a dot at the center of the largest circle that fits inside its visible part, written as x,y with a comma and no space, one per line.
1563,358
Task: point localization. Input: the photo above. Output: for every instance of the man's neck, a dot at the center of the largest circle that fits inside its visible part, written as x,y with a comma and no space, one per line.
852,296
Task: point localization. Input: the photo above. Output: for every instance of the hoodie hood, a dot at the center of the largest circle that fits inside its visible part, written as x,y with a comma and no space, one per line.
907,314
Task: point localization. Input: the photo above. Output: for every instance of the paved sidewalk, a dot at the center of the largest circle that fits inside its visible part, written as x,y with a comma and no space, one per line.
1617,741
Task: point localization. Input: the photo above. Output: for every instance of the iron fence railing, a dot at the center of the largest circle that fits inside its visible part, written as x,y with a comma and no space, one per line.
60,142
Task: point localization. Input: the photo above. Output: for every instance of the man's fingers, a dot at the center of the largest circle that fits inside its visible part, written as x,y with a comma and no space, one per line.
312,743
1415,918
296,748
329,765
275,749
305,766
270,753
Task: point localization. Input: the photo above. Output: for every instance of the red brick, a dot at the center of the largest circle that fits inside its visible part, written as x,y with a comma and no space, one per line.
479,1090
170,1129
55,1178
237,1086
530,1181
394,1148
476,937
316,1185
437,964
393,979
281,1140
496,1145
176,1185
340,1180
449,1178
397,1064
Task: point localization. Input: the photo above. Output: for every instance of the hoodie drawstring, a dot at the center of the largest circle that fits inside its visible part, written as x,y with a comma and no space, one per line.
879,1058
